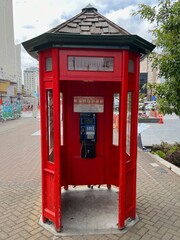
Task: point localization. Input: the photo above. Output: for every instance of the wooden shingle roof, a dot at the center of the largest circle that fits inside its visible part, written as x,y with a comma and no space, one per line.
88,29
91,22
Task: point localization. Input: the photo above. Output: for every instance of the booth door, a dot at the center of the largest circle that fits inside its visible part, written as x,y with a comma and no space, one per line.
85,109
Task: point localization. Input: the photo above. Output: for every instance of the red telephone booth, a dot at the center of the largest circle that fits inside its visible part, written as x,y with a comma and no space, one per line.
89,69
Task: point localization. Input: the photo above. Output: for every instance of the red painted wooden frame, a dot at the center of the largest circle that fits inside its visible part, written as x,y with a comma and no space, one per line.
118,81
66,74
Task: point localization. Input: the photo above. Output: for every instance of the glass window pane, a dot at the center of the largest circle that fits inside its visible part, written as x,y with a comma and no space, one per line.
90,63
61,119
50,124
131,66
48,64
116,119
128,128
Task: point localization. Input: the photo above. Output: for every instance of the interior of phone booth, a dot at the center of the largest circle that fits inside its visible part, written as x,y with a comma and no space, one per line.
89,150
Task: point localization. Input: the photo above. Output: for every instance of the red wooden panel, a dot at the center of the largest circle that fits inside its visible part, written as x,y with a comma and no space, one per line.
130,178
49,192
134,130
46,75
92,170
87,171
122,145
43,129
110,165
49,214
90,75
57,144
50,170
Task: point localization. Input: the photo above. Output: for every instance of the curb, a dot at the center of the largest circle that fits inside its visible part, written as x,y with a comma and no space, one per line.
170,166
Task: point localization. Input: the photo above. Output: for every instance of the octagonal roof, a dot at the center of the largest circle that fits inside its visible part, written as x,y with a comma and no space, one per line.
88,29
89,21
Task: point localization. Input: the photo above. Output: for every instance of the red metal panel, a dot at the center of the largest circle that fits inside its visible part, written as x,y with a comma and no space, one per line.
122,134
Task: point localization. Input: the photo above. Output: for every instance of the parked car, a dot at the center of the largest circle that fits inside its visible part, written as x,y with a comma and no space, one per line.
150,104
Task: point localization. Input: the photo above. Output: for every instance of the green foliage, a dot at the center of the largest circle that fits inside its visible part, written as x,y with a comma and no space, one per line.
141,97
164,146
160,153
170,152
174,158
151,87
166,18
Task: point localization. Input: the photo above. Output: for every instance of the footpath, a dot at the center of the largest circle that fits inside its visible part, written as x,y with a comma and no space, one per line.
158,191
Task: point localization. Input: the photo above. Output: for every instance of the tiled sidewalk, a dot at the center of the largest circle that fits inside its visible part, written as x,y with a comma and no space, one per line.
158,191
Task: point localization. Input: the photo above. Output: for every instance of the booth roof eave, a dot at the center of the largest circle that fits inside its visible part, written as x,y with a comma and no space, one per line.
64,40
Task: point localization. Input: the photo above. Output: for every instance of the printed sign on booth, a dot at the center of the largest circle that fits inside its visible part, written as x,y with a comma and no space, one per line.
88,104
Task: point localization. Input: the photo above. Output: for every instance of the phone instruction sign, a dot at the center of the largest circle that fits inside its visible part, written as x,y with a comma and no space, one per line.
88,104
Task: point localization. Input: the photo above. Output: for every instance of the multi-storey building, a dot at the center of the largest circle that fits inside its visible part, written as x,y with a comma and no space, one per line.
31,81
10,57
148,74
152,74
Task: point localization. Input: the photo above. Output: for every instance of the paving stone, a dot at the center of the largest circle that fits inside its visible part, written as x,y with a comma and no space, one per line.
175,238
3,235
15,237
142,231
167,236
158,194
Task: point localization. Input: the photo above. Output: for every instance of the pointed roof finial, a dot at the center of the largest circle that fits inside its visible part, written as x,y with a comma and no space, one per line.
89,7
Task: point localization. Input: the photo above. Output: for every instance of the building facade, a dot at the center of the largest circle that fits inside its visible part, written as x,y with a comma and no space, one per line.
148,74
10,55
152,74
31,81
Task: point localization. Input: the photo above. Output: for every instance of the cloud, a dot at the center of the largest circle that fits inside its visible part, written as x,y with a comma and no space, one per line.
133,24
40,16
28,26
54,23
27,60
122,13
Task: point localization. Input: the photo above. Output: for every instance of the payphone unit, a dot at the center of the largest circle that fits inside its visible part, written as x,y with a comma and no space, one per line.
88,135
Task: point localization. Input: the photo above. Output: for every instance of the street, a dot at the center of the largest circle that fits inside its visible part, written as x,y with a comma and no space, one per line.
169,131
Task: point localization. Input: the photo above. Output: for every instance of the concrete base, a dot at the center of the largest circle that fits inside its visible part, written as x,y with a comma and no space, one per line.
89,211
148,120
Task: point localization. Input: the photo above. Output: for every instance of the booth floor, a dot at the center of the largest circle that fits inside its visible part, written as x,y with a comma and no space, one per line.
89,211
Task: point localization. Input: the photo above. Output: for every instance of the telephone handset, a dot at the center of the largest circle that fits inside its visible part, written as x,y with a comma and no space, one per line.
88,134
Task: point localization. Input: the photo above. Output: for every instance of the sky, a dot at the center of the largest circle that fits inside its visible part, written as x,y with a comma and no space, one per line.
34,17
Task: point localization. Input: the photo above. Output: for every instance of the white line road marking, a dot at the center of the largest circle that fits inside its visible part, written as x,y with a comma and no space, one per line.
38,133
154,164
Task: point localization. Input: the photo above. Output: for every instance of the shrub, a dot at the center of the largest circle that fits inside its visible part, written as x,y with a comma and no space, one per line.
177,145
174,158
164,147
160,153
170,152
155,147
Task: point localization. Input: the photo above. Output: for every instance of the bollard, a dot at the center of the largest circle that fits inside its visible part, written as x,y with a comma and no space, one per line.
160,119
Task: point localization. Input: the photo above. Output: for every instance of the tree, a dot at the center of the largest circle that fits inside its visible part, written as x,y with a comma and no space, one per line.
166,17
151,89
